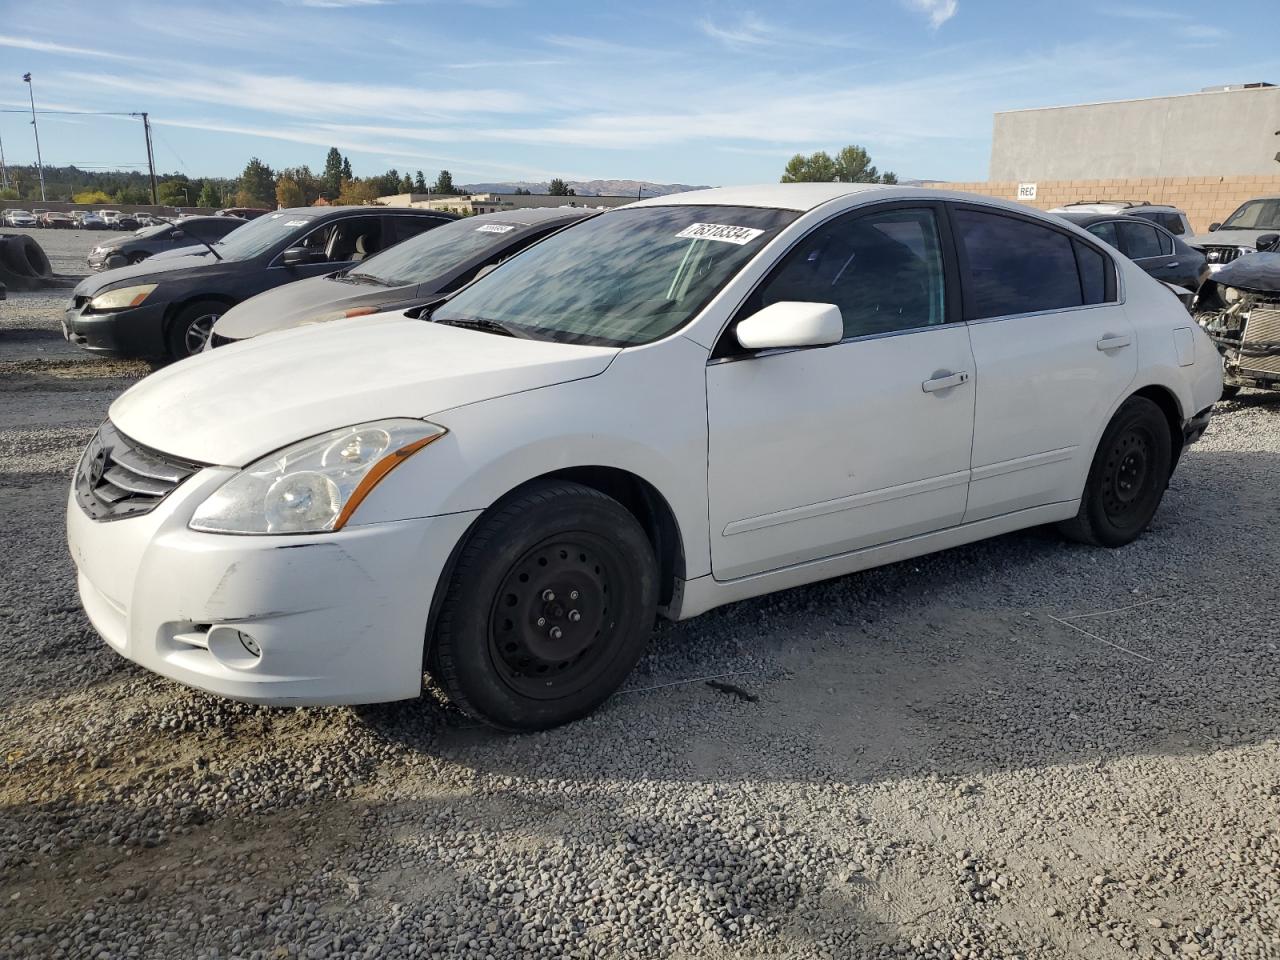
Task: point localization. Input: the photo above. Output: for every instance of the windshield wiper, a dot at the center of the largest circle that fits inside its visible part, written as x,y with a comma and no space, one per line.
366,278
488,326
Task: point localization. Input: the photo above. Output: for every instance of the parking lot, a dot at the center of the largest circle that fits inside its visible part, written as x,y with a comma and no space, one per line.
1022,748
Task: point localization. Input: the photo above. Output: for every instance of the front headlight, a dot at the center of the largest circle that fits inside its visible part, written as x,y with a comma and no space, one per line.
314,485
1231,295
122,298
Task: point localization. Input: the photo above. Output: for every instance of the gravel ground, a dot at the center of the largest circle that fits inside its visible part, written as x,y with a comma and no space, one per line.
1022,748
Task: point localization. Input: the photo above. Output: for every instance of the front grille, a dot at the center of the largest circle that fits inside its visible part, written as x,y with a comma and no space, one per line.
118,477
1221,254
1260,346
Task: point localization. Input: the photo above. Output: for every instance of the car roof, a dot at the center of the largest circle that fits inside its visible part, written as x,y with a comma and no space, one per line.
780,196
1089,219
534,216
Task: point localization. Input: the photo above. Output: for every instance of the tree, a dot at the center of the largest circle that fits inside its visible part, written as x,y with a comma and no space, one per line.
289,193
359,192
209,196
346,169
444,183
132,195
558,188
257,185
331,179
311,186
9,193
406,183
91,196
419,183
176,193
522,192
850,165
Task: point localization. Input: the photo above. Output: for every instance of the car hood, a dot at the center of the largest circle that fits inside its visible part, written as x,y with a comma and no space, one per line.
148,271
1230,237
232,405
299,303
1256,271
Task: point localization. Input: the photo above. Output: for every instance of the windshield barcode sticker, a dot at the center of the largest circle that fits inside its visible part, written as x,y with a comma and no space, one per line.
719,231
295,223
495,228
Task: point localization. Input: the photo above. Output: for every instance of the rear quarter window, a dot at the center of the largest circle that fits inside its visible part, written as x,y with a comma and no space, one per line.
1012,266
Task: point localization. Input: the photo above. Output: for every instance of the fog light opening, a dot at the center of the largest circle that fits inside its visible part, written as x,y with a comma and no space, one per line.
234,648
250,645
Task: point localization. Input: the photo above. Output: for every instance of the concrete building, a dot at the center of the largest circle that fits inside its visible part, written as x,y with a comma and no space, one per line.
1224,132
468,204
1204,152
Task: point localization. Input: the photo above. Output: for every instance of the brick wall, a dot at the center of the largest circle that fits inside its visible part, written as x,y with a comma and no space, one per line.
1205,199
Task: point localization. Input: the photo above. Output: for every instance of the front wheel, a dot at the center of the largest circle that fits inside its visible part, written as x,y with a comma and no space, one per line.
1128,477
549,606
192,326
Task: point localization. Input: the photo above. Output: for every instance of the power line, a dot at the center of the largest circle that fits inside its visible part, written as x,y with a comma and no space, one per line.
77,113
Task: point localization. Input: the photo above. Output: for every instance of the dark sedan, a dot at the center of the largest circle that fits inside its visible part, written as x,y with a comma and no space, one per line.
164,309
1152,247
136,247
412,273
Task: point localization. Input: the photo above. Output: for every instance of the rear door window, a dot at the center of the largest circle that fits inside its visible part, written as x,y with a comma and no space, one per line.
1012,266
1138,240
1106,232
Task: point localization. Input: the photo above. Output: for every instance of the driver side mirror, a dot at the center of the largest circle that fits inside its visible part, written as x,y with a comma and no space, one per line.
1214,226
1268,242
790,324
178,234
296,256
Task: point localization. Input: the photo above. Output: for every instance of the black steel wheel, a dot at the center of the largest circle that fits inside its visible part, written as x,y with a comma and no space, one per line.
549,606
1127,479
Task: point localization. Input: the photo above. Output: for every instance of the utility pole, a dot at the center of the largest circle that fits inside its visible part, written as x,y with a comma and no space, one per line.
4,171
151,161
26,77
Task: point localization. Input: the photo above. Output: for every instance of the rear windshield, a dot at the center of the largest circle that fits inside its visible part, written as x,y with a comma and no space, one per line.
435,252
623,278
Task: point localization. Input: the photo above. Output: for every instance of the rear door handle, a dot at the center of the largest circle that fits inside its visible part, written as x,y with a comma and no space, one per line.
1112,342
945,382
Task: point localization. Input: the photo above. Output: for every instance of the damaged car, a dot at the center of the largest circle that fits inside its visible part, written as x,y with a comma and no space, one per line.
1239,308
1253,226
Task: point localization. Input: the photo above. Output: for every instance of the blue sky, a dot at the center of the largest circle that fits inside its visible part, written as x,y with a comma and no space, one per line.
670,91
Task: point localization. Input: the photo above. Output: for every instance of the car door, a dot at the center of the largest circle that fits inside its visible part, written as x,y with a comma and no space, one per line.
334,245
821,451
1054,353
1151,248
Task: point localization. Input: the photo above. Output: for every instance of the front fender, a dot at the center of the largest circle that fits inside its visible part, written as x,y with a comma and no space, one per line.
646,414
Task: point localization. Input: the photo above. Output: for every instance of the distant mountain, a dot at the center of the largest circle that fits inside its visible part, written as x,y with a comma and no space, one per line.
587,188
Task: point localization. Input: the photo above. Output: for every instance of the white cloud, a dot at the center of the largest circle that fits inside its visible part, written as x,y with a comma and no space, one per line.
750,31
43,46
938,11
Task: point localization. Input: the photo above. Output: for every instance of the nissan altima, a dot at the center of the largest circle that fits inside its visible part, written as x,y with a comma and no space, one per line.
674,405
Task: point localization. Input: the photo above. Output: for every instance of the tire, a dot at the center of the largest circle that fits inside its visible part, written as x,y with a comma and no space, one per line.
114,261
549,607
1229,391
137,258
1127,479
25,257
190,328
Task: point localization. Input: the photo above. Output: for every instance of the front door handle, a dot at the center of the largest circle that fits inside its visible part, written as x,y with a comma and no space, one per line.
944,381
1114,342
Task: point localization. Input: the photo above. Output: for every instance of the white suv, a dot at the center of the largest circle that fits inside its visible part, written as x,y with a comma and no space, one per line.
674,405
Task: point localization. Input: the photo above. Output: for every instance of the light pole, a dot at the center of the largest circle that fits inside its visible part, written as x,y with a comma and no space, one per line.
4,171
26,78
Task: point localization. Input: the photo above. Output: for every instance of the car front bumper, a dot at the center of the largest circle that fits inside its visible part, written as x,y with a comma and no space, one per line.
134,333
336,618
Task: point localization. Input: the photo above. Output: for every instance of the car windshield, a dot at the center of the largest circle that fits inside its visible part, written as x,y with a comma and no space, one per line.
260,235
1256,215
622,278
434,252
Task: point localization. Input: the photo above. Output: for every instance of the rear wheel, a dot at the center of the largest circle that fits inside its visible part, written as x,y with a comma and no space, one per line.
1127,479
191,327
549,607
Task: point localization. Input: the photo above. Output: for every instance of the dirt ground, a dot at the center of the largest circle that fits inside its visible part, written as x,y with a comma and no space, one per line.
1022,748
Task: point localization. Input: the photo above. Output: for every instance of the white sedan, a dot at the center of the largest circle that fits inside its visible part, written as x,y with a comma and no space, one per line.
674,405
